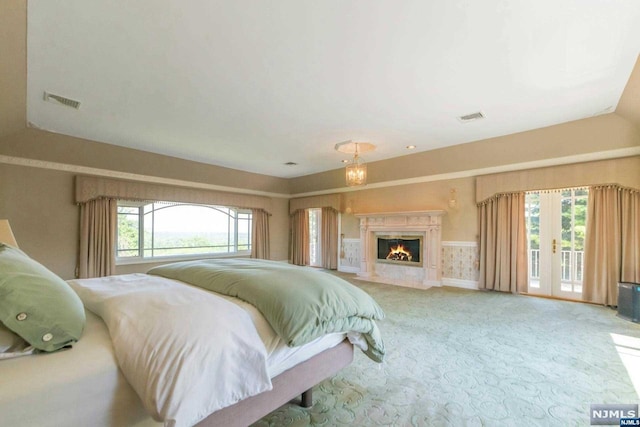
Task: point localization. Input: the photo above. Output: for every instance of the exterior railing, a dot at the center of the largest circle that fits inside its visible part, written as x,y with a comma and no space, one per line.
571,265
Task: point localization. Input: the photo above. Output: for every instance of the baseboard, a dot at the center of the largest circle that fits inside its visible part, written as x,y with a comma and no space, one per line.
459,283
348,269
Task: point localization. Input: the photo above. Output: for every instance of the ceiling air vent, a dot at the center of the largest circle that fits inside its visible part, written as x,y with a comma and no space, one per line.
291,164
471,117
61,100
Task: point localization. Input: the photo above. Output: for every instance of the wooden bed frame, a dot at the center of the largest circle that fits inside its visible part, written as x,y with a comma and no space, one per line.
297,381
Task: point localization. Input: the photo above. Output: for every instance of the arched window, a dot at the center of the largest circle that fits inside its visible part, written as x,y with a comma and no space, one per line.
162,230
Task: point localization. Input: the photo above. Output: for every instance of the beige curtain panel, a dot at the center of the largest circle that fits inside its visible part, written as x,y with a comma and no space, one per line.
300,237
98,238
630,223
260,234
329,238
612,246
503,243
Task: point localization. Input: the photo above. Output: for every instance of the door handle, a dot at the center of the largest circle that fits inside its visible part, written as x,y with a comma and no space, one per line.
554,246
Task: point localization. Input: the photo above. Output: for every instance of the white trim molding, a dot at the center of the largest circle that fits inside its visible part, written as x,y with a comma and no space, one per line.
459,283
86,170
347,269
464,244
577,158
557,161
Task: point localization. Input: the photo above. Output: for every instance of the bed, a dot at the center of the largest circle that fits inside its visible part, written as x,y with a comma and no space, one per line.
103,380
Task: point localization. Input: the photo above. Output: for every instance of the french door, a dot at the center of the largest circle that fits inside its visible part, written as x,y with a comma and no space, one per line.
556,224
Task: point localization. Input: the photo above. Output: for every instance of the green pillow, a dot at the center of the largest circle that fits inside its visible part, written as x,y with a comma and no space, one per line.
36,304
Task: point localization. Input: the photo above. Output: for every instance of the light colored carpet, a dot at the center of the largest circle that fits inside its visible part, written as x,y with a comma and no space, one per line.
471,358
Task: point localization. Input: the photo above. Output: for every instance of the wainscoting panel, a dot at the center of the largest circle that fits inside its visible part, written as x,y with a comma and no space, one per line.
349,261
460,264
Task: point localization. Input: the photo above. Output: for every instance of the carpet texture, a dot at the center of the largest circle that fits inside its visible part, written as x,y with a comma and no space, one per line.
470,358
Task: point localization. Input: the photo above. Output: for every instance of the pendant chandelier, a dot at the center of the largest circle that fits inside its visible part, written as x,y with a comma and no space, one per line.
356,170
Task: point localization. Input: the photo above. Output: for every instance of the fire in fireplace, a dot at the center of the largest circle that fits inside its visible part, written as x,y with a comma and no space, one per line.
400,250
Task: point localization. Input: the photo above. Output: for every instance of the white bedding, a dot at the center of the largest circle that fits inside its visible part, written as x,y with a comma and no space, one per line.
84,386
185,352
78,387
281,357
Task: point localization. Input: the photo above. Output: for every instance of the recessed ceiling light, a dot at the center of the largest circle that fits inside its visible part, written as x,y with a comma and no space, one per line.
345,161
291,164
410,147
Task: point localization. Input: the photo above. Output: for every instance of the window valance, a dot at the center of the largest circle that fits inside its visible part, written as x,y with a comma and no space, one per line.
91,188
325,201
623,171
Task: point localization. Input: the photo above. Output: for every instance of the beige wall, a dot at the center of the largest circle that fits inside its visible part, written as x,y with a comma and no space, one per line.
13,71
459,223
39,204
581,137
50,147
45,220
629,104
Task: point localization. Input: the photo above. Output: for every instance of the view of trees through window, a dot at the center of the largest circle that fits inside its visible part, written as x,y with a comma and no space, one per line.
574,216
163,229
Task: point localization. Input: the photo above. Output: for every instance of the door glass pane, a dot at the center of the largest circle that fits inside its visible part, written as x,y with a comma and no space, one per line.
314,237
579,231
567,240
532,216
574,218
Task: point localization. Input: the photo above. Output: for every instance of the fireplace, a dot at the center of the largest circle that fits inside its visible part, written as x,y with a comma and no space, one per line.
400,250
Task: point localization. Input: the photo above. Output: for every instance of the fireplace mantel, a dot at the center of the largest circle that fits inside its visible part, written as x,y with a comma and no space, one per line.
427,224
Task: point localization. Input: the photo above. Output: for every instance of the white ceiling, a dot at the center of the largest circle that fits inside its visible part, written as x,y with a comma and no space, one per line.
255,84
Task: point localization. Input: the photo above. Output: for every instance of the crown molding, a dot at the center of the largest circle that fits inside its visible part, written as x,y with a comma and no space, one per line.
578,158
85,170
558,161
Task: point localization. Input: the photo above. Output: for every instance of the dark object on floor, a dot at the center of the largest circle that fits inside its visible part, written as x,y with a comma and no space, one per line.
629,301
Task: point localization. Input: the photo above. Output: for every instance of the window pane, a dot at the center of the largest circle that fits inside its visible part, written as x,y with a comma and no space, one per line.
244,232
175,229
128,227
532,217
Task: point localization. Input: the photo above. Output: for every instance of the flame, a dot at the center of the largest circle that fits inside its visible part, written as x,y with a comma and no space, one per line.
399,253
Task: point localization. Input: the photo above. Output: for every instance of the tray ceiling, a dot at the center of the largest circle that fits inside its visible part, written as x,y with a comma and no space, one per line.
253,85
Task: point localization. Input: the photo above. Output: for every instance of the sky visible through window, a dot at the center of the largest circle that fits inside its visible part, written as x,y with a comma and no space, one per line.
189,219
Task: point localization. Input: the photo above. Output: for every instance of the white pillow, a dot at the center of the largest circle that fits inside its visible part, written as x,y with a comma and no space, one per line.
11,345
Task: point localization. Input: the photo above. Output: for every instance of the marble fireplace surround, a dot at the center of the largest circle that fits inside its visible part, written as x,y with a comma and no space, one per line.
427,224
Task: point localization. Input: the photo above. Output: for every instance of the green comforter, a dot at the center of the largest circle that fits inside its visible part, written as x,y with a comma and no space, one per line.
300,303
